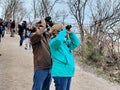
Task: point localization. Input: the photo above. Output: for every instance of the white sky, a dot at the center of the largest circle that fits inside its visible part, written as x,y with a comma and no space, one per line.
58,7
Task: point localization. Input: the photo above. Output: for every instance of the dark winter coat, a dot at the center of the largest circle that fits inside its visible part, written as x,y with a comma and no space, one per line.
20,30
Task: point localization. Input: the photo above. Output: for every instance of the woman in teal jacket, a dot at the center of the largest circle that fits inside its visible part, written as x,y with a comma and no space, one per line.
63,60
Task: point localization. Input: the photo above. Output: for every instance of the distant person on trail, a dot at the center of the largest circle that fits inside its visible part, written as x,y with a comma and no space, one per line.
8,24
1,28
12,28
21,33
0,33
42,60
4,28
28,33
24,24
62,41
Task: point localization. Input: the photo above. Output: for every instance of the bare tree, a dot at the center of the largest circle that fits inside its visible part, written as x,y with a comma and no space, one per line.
60,16
105,16
77,8
11,8
64,16
35,8
43,7
21,14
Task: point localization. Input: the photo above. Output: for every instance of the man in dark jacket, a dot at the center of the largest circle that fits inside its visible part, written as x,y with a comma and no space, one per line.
1,28
21,33
42,60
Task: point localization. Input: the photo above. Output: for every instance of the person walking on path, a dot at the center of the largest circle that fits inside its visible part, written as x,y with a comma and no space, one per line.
1,28
12,28
0,33
21,33
0,36
42,60
63,60
28,33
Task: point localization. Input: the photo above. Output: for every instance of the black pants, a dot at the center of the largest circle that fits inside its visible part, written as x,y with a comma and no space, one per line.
0,37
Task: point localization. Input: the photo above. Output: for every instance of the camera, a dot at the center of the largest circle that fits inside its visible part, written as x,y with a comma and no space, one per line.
48,21
68,27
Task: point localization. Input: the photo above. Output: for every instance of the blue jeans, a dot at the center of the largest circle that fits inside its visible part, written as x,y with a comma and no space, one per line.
42,79
62,83
21,39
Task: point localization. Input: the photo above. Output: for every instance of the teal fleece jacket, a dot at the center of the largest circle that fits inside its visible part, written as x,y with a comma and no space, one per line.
62,57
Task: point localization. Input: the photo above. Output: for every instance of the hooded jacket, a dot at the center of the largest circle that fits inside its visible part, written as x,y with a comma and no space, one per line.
62,57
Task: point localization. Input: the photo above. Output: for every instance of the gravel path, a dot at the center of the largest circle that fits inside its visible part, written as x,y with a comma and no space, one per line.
16,70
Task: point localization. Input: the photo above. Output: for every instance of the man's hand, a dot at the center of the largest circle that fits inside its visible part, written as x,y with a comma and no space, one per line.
40,27
43,22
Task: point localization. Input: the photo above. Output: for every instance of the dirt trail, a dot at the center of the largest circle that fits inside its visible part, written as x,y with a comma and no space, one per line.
16,70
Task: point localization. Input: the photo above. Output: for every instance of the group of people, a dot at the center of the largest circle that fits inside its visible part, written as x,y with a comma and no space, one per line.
52,52
53,57
8,25
24,31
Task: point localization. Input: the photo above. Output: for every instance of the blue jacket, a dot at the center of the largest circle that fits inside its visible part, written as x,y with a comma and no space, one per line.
62,57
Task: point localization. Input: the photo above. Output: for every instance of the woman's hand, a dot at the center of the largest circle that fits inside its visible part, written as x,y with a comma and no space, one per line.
68,31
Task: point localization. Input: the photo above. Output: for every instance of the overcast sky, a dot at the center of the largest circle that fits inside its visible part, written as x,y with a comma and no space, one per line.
58,7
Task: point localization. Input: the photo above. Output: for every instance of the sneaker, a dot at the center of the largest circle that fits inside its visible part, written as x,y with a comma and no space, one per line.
25,48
